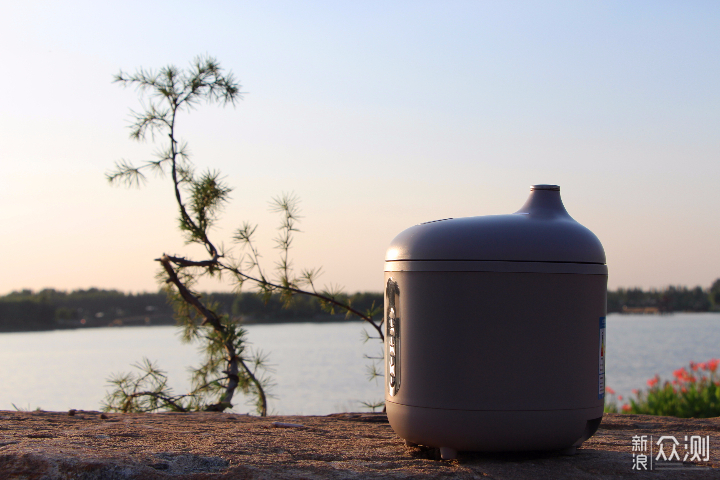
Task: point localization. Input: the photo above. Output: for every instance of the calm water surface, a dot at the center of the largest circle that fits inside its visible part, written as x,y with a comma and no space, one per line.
639,346
319,368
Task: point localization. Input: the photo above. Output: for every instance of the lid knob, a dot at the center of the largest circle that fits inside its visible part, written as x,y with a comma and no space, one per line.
545,187
544,201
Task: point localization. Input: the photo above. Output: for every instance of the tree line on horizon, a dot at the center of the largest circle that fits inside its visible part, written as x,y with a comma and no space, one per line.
49,309
667,300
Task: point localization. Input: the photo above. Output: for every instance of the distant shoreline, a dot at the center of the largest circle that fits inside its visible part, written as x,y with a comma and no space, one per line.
167,321
49,309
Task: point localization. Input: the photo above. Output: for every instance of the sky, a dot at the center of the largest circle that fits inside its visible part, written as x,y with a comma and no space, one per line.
378,116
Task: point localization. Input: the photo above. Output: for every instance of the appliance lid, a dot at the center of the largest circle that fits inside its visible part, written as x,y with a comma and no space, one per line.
541,231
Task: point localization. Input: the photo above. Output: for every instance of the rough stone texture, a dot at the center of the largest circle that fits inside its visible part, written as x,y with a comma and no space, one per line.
53,445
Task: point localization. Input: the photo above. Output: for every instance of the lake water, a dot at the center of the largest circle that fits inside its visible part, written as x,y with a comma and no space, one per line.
319,368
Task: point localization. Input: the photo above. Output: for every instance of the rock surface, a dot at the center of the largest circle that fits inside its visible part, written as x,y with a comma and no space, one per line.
86,445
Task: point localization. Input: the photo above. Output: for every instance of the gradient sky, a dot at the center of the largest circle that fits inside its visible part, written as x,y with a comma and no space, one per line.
378,115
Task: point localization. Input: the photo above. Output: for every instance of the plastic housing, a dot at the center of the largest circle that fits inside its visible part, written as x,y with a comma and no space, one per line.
495,330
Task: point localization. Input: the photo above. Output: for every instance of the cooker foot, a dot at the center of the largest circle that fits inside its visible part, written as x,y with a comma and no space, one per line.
447,453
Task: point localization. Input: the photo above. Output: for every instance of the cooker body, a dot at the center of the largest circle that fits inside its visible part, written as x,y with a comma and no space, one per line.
495,360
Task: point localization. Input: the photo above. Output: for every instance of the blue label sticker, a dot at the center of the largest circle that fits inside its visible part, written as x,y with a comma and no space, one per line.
601,372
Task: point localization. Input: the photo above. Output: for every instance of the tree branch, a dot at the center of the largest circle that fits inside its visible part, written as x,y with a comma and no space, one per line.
184,262
212,318
209,316
164,398
319,296
258,385
215,262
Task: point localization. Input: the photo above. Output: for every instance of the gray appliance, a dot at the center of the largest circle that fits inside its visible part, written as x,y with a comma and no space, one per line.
495,330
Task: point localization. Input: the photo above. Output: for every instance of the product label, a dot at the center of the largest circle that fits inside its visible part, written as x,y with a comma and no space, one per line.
601,372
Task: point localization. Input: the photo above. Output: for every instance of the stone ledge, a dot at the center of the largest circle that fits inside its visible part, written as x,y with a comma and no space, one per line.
54,445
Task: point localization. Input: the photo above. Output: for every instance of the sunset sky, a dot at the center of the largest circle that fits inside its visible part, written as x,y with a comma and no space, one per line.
378,116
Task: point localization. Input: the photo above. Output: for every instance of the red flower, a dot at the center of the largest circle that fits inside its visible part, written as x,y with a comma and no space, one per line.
626,408
619,397
635,391
712,365
653,381
610,390
683,375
